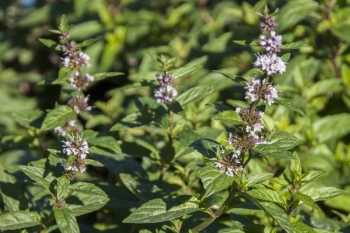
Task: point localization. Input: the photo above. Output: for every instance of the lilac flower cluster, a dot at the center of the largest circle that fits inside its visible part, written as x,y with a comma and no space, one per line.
271,43
256,90
166,92
230,164
62,130
79,148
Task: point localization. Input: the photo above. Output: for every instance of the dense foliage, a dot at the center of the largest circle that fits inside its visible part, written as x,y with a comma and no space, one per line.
174,116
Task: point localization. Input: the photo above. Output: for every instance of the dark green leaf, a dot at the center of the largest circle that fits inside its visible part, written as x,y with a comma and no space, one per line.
51,44
11,192
101,76
87,42
57,117
27,118
194,94
62,186
241,42
18,220
258,178
85,198
65,73
143,117
229,117
93,163
214,180
37,174
102,140
323,193
161,210
220,107
207,147
274,211
66,221
233,77
268,195
273,151
287,103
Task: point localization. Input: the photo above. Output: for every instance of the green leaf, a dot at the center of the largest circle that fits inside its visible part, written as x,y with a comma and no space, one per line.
279,181
300,227
62,186
93,163
268,195
26,117
18,220
51,44
295,45
307,200
284,140
101,76
236,79
285,57
240,42
229,117
274,211
85,198
175,107
51,81
207,147
287,103
161,210
143,117
186,70
323,193
273,151
324,87
325,128
64,23
87,42
214,180
312,175
66,221
11,192
255,228
102,140
57,117
219,106
65,73
37,174
258,178
194,94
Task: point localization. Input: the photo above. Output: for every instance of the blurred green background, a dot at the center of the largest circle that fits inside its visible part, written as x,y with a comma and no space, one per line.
199,32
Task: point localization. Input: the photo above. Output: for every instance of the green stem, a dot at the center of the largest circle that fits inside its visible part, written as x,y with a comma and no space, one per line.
223,208
246,162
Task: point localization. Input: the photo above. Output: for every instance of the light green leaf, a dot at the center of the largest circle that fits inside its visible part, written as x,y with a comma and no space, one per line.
274,211
51,44
236,79
323,193
65,73
102,140
300,227
307,200
136,119
66,221
37,174
194,94
161,210
93,163
18,220
324,87
295,45
240,42
214,180
57,117
186,70
101,76
285,57
85,198
284,140
280,181
87,42
26,117
325,128
273,151
268,195
229,117
287,103
62,186
312,175
11,192
258,178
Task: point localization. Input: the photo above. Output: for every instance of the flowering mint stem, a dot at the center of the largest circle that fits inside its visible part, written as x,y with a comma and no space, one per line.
170,145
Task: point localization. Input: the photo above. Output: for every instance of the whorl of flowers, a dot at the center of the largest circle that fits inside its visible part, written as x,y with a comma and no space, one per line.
271,42
166,92
79,104
270,63
256,90
79,148
62,130
230,164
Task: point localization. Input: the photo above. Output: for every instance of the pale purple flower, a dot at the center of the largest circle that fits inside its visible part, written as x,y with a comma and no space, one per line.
165,80
80,82
270,63
271,43
80,104
165,94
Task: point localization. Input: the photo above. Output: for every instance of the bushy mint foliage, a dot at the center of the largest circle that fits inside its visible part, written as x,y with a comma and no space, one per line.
171,151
